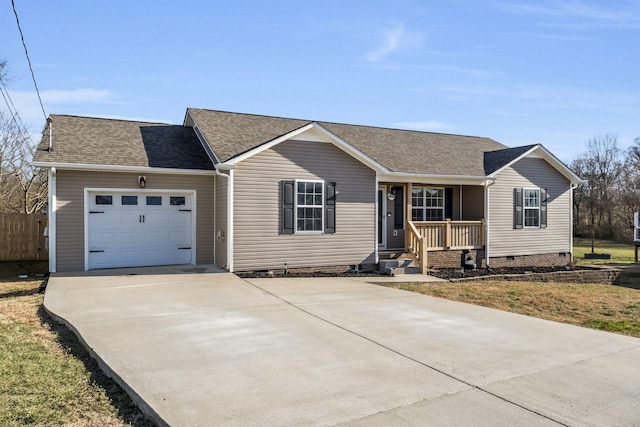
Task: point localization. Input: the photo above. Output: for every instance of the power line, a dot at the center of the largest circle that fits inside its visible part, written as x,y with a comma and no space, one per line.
17,120
33,76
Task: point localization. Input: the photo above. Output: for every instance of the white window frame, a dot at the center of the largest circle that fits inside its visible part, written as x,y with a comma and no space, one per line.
526,208
296,206
424,207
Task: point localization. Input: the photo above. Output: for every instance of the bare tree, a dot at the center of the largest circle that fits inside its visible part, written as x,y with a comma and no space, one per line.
601,166
23,187
629,192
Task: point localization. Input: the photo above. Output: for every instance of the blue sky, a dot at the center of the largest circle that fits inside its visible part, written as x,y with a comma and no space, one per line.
520,72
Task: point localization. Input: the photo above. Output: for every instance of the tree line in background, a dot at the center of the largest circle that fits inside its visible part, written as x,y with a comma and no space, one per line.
605,203
23,187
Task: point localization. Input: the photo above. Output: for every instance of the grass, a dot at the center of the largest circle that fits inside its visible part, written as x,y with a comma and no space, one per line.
46,376
606,307
621,253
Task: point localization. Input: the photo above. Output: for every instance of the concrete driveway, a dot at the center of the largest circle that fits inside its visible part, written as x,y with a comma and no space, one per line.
213,349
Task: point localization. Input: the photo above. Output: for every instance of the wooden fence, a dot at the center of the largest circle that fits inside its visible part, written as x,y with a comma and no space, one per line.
22,237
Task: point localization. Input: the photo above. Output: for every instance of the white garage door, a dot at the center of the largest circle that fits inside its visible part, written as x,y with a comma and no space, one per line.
139,229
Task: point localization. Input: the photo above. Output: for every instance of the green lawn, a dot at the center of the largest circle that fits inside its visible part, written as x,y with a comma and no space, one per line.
620,253
47,378
606,307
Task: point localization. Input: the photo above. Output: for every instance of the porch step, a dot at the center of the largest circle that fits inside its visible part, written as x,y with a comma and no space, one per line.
405,270
398,266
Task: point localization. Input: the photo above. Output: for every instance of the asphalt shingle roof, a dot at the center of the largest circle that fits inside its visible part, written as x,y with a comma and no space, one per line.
231,134
494,160
96,141
87,140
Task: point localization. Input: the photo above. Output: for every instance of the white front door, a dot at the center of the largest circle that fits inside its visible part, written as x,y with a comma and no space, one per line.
127,229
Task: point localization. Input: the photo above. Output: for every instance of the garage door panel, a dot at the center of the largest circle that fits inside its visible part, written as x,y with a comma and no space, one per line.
103,238
103,220
181,219
178,237
179,256
130,238
154,219
155,238
125,235
155,256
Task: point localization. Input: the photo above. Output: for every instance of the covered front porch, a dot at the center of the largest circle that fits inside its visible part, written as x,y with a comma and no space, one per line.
418,218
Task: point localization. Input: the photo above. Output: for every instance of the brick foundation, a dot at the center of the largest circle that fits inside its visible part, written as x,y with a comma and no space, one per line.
604,276
452,259
541,260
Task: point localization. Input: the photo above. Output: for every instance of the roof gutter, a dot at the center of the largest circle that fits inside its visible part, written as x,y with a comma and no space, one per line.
121,168
401,177
224,167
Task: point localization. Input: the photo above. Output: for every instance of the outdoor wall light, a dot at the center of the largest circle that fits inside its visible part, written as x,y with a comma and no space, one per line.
391,195
142,180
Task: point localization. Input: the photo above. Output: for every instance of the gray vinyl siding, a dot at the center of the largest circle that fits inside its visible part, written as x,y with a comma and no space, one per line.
221,220
70,187
256,216
472,203
504,239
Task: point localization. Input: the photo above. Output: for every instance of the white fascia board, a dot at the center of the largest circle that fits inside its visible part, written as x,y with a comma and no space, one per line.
400,177
335,140
541,152
205,145
201,137
118,168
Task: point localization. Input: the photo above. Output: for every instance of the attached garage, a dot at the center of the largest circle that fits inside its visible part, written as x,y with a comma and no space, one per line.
126,228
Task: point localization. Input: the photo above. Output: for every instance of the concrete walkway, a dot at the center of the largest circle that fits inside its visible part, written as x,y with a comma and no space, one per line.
213,349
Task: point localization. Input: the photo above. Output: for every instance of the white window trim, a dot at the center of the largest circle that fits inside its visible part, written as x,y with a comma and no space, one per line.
426,187
295,207
525,208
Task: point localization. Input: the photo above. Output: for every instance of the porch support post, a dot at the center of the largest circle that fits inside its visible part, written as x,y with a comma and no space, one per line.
407,201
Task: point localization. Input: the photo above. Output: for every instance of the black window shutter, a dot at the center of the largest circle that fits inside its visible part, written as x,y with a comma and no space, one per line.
330,208
543,208
517,210
448,203
287,198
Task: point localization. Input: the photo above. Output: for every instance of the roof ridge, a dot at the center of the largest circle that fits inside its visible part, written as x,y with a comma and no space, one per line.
341,124
111,119
406,130
519,147
251,114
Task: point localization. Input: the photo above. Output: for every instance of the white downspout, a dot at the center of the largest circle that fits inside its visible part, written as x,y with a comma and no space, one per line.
230,222
51,217
376,219
571,188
